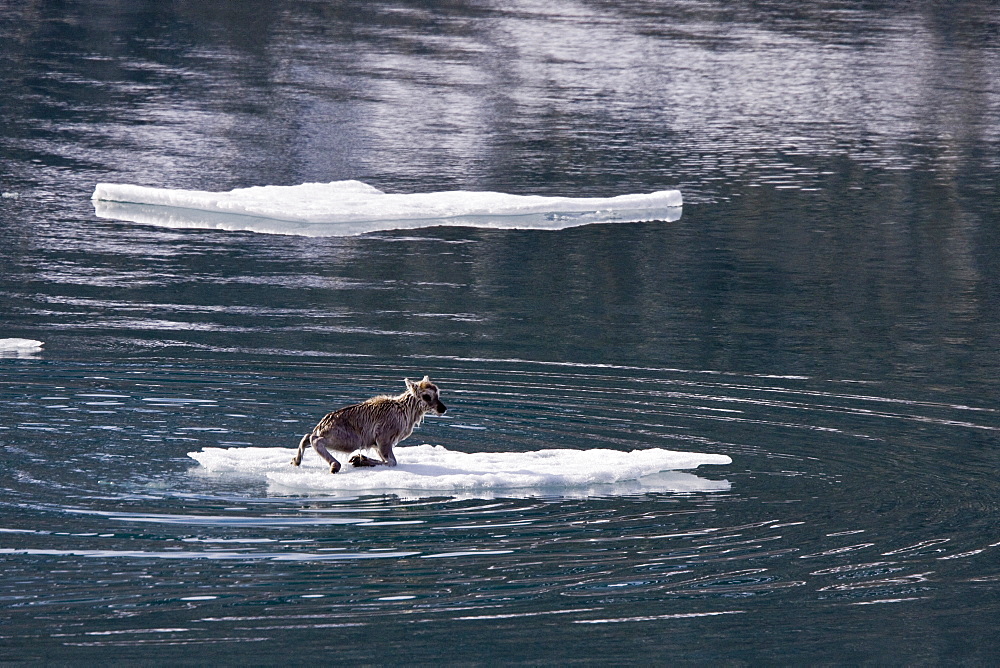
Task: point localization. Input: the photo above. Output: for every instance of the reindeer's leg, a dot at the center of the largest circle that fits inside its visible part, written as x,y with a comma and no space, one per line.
303,444
320,447
360,460
385,452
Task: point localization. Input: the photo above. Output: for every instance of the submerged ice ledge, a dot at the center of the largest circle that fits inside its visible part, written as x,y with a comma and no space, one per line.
344,208
434,470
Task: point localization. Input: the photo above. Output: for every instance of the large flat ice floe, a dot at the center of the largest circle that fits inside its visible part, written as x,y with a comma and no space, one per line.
433,470
344,208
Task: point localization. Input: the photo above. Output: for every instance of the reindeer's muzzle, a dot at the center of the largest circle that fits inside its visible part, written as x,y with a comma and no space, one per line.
440,408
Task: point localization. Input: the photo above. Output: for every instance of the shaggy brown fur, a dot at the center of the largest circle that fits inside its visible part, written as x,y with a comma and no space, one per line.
380,423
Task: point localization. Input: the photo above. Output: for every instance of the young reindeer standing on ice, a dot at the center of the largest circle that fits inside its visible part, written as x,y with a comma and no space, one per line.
380,422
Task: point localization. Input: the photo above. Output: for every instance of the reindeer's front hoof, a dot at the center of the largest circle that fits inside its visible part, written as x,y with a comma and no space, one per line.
360,460
296,461
335,466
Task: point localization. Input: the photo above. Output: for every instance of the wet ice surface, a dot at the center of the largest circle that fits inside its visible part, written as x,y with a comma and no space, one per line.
823,314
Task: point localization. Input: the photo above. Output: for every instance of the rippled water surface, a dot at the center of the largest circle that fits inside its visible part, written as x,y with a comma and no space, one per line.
824,312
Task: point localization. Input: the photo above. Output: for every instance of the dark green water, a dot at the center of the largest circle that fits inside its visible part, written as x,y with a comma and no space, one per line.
824,312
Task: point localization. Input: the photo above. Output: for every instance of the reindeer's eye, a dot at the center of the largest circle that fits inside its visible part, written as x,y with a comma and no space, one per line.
427,398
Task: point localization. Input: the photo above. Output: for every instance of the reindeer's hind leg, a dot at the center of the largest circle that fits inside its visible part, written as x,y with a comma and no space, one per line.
303,444
320,446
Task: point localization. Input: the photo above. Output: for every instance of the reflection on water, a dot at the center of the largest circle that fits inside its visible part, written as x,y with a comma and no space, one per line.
524,97
824,314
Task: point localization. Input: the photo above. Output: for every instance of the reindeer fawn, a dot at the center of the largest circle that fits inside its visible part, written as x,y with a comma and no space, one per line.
381,422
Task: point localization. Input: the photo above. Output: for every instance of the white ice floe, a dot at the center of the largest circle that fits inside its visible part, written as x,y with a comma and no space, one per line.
432,470
344,208
19,347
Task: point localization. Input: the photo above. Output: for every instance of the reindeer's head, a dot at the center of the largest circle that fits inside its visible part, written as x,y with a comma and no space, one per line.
427,393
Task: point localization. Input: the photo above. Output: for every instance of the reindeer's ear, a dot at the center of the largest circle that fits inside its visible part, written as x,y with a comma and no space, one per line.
409,383
426,379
